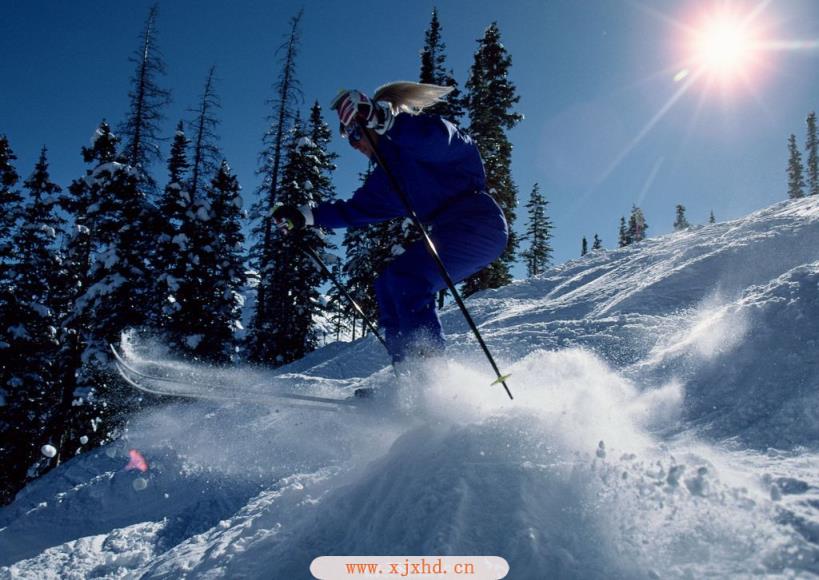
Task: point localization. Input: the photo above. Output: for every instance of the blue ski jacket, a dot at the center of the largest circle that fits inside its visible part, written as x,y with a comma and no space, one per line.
434,162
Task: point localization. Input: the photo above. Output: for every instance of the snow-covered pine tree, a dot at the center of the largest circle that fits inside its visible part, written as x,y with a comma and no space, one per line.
73,281
260,347
10,202
359,272
622,234
597,244
71,417
796,178
228,274
140,133
711,218
171,255
490,98
294,291
538,233
32,384
637,226
358,276
337,308
119,291
321,187
584,246
434,71
199,312
681,222
812,149
10,212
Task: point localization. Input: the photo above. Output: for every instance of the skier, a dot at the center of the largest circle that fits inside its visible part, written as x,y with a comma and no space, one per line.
440,170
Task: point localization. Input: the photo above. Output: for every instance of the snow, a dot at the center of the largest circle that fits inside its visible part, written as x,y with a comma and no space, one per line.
203,213
96,136
40,309
48,230
664,426
181,241
304,142
48,451
18,331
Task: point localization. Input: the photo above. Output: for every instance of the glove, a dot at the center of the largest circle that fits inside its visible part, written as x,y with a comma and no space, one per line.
290,217
355,107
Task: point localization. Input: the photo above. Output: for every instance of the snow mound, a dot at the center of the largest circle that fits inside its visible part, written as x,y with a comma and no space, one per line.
664,426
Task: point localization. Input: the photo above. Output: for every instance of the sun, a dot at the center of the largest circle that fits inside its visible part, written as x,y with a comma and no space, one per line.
724,46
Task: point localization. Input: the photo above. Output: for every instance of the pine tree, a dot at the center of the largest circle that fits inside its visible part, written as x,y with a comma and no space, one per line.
338,310
637,226
294,292
711,218
812,149
119,291
65,432
796,180
228,272
205,153
597,244
74,413
434,71
359,274
584,247
32,336
288,94
538,233
175,209
366,251
491,96
320,187
10,203
140,134
205,278
681,222
11,211
622,235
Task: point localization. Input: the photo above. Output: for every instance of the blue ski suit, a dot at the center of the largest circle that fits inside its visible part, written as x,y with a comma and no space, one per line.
440,170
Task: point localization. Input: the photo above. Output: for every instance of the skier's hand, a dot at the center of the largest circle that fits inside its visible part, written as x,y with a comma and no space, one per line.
289,217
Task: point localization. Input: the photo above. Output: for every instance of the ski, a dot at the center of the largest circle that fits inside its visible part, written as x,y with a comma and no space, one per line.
197,390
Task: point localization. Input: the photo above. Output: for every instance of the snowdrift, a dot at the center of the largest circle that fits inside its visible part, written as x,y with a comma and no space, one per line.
666,424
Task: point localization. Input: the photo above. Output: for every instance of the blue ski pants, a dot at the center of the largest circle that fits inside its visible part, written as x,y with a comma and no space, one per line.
468,234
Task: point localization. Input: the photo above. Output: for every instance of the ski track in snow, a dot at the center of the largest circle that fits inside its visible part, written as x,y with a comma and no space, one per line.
665,425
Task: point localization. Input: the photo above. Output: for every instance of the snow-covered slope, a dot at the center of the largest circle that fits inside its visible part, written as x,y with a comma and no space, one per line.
666,424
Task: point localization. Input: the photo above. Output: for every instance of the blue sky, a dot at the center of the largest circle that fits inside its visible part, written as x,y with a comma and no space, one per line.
591,75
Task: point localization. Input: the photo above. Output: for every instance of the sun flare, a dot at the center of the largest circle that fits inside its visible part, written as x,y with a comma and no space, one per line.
724,46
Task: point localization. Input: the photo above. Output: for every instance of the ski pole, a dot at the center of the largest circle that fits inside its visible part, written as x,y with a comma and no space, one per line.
312,253
434,253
